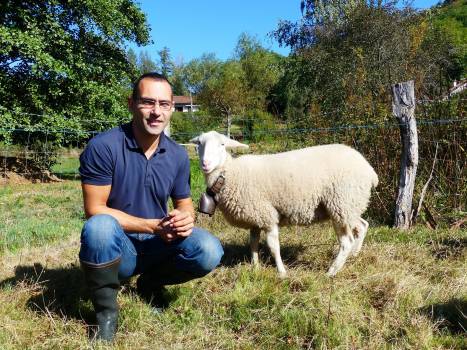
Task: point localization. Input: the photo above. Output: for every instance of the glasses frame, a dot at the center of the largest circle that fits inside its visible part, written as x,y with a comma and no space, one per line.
150,104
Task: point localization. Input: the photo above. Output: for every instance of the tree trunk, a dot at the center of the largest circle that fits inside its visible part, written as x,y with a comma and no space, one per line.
229,124
403,108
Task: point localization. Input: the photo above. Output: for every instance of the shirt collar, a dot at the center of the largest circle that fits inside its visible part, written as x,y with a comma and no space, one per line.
132,144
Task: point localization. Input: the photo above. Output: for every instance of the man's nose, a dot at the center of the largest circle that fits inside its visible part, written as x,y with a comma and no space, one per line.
156,108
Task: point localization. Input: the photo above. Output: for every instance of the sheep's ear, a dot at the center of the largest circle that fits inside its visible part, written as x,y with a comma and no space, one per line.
195,140
232,144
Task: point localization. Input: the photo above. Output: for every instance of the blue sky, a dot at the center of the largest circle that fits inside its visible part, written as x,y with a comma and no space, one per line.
191,28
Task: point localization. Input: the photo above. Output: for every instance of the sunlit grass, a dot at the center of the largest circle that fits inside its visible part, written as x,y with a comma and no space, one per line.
404,291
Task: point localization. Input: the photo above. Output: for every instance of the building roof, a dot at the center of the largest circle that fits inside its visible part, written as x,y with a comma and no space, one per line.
186,100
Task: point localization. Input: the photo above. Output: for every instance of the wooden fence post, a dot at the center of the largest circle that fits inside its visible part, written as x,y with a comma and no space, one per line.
403,108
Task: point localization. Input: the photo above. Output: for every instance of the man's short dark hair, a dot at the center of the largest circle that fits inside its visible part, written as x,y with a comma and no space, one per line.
152,75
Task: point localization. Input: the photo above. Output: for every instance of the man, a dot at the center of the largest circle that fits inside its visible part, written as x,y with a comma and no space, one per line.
127,174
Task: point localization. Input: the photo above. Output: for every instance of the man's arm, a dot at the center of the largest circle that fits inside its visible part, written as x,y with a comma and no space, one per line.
95,202
185,204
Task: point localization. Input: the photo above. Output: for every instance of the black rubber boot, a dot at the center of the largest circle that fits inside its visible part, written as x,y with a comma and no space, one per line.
103,284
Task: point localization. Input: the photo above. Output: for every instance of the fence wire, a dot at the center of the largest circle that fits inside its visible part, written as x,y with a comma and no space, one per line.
29,153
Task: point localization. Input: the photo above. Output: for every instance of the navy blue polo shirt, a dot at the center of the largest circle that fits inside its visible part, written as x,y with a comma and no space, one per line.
140,187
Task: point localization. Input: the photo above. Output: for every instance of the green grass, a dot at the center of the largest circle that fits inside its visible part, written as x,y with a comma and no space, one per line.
404,291
32,215
66,165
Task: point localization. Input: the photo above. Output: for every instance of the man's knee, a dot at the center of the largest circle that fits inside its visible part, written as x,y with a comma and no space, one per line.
100,231
208,253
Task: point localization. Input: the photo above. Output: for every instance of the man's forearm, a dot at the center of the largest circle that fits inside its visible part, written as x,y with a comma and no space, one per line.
128,222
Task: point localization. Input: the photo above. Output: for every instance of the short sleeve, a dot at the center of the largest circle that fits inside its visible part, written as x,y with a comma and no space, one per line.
181,188
96,165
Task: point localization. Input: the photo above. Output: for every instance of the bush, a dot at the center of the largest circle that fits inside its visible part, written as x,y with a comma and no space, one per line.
258,126
185,126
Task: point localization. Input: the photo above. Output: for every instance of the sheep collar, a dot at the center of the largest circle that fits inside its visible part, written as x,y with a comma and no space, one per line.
217,186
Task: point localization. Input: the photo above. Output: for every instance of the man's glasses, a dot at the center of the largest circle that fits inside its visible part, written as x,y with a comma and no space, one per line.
148,103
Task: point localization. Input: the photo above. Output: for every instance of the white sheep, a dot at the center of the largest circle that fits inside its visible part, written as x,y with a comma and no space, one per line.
300,187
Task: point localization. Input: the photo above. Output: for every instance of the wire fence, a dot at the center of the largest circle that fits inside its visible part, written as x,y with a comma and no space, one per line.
39,153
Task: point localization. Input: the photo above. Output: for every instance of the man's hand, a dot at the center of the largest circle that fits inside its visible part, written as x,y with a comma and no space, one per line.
177,224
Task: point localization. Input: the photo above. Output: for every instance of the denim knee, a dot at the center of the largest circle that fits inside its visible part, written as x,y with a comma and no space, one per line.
207,252
100,239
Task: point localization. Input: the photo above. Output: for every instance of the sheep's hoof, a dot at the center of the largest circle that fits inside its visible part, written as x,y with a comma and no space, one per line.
283,275
331,273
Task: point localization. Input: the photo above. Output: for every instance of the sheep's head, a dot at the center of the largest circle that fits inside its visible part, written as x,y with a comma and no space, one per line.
212,149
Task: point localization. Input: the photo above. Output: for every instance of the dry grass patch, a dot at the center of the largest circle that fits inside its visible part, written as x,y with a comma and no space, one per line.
404,291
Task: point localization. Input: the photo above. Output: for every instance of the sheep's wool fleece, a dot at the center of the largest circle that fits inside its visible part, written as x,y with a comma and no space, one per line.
296,187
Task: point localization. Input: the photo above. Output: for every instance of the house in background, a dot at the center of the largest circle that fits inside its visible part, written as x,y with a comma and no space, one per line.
457,87
185,104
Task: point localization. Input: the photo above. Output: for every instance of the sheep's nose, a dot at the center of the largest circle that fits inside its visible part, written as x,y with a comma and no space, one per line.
205,162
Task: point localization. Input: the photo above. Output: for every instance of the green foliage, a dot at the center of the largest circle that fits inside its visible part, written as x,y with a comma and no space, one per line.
451,18
177,80
258,125
145,64
198,71
184,126
166,62
225,93
262,70
63,65
346,56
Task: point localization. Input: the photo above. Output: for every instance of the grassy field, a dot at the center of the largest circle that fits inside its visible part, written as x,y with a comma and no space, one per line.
404,291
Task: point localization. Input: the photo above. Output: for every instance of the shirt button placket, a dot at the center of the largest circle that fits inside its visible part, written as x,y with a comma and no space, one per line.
146,174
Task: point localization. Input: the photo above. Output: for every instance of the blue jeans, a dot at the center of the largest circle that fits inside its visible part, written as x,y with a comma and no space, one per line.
103,240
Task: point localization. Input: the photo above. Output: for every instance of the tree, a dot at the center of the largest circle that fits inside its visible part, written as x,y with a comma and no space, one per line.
145,63
177,81
199,71
224,93
64,69
450,19
65,62
165,61
347,53
262,70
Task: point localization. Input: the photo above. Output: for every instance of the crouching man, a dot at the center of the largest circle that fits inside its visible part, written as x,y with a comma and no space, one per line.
128,173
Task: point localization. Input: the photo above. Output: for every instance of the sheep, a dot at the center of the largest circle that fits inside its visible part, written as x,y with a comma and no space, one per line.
299,187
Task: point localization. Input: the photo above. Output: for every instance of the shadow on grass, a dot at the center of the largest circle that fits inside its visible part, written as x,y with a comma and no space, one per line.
57,291
67,176
448,247
450,316
235,254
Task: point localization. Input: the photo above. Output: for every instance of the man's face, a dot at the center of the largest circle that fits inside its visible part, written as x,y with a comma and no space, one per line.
153,107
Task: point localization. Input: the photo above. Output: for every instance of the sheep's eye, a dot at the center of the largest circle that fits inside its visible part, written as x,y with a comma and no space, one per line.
222,144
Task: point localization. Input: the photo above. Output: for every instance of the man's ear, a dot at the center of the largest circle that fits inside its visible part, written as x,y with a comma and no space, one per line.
130,103
232,144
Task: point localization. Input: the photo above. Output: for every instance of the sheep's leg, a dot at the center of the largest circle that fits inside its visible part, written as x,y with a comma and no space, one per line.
254,245
274,246
346,241
360,232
